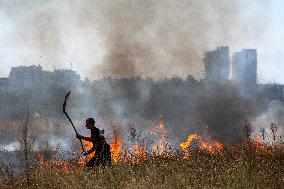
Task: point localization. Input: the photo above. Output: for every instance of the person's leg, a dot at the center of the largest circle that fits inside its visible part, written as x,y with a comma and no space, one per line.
99,158
92,161
108,154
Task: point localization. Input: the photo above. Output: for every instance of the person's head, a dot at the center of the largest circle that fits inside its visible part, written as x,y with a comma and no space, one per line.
90,123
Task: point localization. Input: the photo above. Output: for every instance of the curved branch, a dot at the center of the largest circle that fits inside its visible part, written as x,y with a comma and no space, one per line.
64,111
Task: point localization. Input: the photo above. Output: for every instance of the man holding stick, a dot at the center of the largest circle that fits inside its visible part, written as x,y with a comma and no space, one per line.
100,147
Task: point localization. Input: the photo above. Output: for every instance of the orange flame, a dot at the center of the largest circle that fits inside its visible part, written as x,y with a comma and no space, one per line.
203,143
213,147
87,145
139,151
259,144
160,146
116,145
57,163
185,144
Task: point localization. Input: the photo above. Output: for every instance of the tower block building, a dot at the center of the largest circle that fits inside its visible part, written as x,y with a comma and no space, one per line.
244,69
217,64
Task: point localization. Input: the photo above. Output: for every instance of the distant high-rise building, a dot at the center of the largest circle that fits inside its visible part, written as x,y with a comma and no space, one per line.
217,64
25,77
34,77
244,65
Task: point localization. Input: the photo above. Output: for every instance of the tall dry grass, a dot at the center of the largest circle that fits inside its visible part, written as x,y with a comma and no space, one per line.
245,166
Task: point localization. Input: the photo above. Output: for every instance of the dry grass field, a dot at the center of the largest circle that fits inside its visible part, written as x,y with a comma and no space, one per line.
198,162
246,166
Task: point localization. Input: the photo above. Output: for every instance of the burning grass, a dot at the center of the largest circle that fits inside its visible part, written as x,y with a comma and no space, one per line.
245,166
200,162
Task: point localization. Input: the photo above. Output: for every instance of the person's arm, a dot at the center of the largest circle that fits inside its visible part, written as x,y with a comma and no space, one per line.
84,138
92,150
87,138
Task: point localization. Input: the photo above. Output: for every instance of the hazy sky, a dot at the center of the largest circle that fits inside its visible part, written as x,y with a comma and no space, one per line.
151,38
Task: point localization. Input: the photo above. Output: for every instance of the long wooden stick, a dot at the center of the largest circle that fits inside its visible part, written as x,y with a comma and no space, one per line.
64,111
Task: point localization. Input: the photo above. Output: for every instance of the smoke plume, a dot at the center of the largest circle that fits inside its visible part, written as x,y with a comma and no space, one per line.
127,38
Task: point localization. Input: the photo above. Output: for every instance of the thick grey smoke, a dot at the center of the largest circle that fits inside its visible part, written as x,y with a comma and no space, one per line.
35,33
125,38
273,114
161,38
